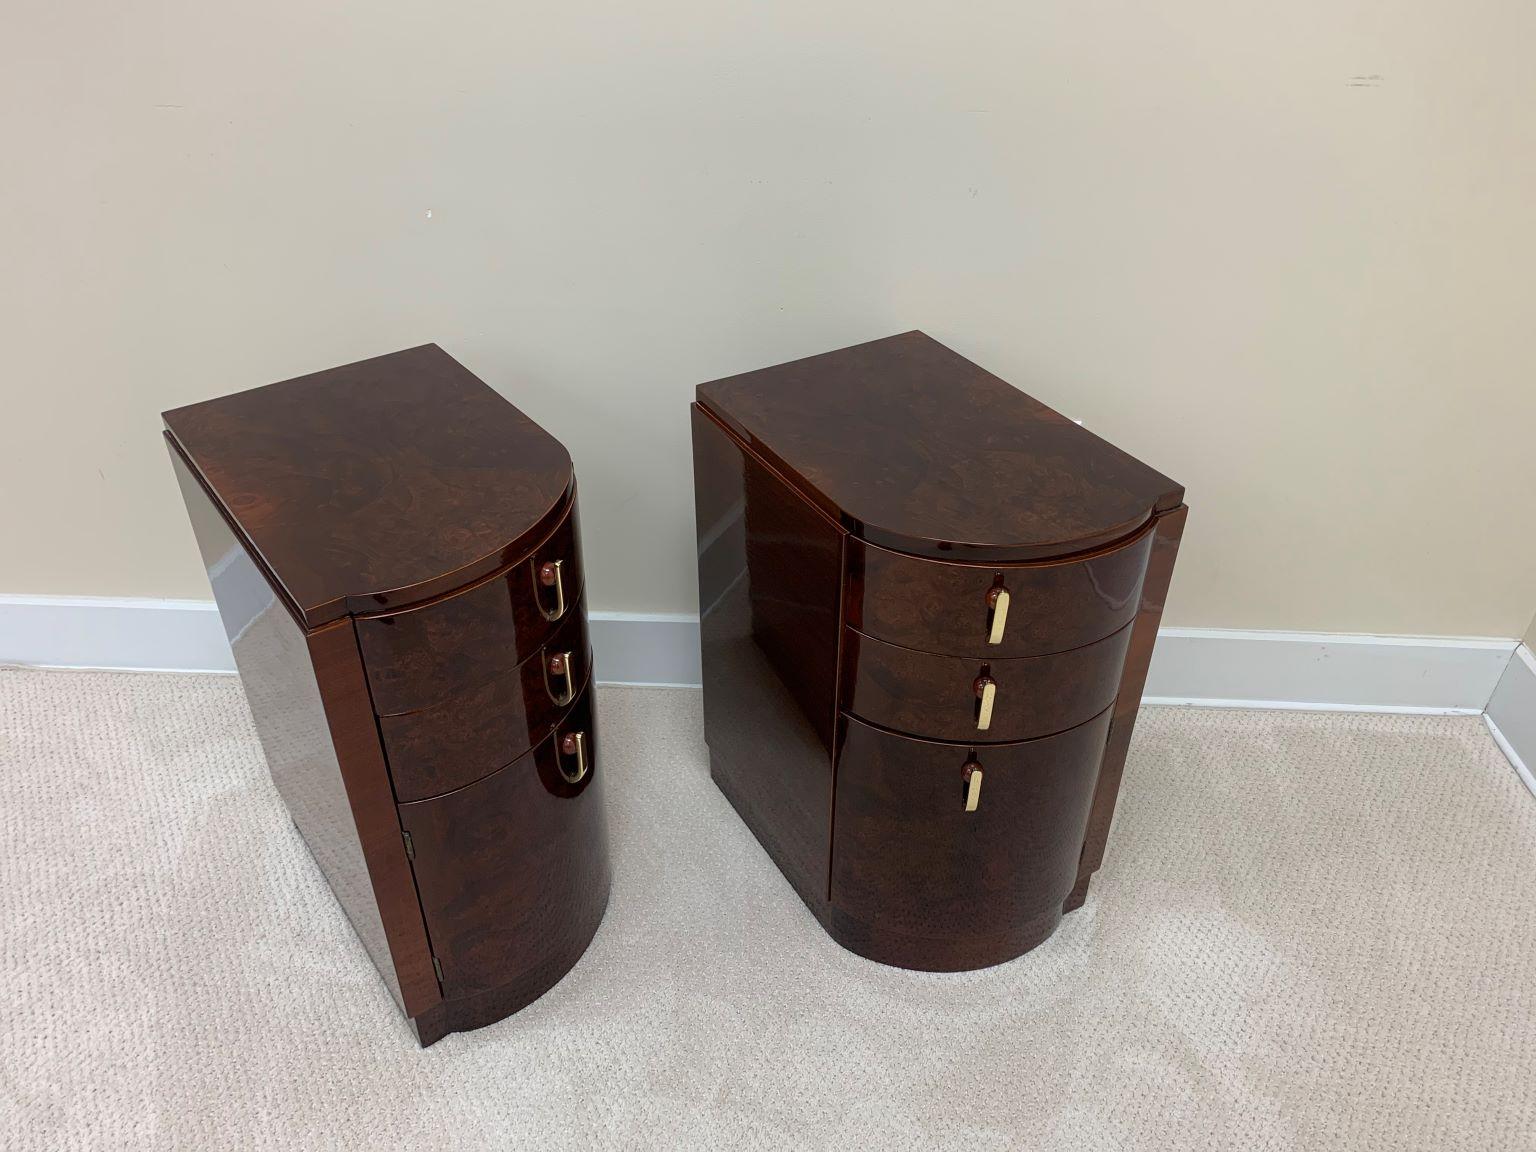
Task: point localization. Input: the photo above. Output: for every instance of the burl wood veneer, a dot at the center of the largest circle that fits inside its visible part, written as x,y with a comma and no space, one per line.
928,605
396,558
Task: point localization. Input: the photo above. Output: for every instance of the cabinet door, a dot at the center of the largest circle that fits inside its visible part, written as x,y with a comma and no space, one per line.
934,870
513,869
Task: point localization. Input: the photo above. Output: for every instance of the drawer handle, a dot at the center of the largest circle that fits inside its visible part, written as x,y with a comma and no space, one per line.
551,577
997,599
574,744
986,692
559,665
972,779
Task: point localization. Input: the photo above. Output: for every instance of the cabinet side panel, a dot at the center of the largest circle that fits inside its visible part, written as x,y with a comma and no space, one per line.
310,705
770,571
1165,550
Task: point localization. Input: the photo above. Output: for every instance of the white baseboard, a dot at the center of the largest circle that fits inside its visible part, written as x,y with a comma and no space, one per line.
1325,671
1202,666
142,635
1511,715
136,635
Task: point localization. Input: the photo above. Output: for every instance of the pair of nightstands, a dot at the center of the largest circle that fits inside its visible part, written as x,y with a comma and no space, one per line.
927,607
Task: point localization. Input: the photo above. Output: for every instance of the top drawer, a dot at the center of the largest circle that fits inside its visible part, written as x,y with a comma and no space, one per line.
984,610
425,655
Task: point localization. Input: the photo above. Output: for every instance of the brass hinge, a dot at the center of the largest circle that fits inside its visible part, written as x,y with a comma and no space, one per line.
437,966
410,848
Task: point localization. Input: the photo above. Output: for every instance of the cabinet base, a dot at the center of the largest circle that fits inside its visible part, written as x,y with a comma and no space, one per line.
466,1013
929,954
1075,898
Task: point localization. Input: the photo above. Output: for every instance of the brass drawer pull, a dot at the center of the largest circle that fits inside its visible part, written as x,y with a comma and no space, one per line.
997,600
550,576
972,778
574,744
986,692
559,665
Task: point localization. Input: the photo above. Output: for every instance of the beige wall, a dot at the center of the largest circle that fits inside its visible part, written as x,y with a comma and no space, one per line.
1530,635
1282,251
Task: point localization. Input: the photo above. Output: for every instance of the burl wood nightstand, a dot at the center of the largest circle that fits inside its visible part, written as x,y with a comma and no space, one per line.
928,604
395,555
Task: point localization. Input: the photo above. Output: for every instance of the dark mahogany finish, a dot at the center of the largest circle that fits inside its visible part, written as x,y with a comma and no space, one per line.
941,607
378,484
422,656
938,696
914,448
508,875
933,886
437,749
769,580
395,555
858,515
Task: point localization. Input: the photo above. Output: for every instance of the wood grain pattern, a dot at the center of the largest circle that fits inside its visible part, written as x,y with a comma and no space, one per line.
426,655
935,696
399,506
377,484
310,705
939,888
770,570
912,447
513,873
1170,530
437,749
857,513
943,607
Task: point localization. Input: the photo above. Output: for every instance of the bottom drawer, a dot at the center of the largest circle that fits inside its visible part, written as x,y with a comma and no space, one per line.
513,869
951,856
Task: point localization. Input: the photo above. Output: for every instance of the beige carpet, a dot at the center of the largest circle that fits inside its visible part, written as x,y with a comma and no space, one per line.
1312,931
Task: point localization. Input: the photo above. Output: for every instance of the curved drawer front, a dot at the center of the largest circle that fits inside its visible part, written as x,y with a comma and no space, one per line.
513,870
952,697
437,749
910,862
427,655
952,608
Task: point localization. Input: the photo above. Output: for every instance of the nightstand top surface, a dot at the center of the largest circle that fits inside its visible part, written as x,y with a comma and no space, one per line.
912,447
378,484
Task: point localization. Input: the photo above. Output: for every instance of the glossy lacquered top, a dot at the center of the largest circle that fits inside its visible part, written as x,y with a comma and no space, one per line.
378,484
914,448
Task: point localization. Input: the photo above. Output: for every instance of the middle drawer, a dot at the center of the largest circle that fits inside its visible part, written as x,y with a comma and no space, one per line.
974,701
446,746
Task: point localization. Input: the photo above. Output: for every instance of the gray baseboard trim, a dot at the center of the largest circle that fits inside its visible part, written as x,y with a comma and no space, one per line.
1511,715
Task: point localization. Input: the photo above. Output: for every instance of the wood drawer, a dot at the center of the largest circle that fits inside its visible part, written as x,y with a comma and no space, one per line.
941,697
430,654
934,885
936,606
437,749
513,870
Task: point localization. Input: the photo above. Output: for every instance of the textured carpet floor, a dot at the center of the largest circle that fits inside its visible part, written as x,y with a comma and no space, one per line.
1312,931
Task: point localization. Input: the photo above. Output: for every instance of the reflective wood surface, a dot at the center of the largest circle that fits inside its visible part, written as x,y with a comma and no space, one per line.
377,484
513,869
912,447
396,557
454,743
919,881
425,655
940,697
927,605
